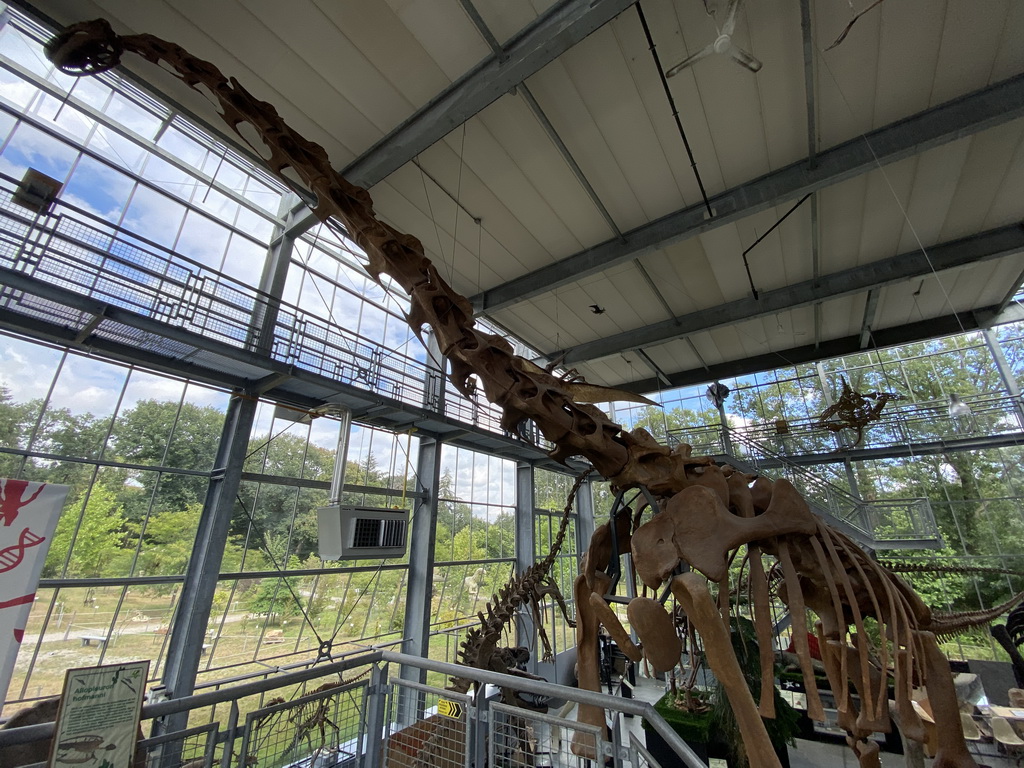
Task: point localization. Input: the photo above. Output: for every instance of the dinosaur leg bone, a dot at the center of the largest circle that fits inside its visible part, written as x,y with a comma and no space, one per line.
952,749
587,663
690,590
611,622
656,630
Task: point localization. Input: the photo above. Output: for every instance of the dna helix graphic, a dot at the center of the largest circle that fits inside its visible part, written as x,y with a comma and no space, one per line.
11,557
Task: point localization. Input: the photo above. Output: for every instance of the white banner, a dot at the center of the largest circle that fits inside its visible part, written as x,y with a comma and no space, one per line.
28,517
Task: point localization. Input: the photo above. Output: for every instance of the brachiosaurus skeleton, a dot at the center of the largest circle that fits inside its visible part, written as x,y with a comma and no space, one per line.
706,511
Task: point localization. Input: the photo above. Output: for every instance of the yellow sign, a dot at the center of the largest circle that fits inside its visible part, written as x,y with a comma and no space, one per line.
449,708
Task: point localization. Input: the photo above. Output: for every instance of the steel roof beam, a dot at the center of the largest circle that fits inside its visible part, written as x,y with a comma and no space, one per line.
533,48
848,345
957,253
992,106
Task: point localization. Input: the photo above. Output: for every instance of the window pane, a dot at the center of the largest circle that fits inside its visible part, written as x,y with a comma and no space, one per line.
31,148
99,189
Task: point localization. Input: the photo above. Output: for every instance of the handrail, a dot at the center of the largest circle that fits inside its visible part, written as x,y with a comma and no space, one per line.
865,516
838,502
27,734
861,519
544,688
901,423
79,252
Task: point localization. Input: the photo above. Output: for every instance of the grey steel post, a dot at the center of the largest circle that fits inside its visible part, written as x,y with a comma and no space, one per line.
826,393
526,549
341,455
1005,372
421,561
433,387
479,726
584,515
272,281
376,718
726,437
851,477
192,615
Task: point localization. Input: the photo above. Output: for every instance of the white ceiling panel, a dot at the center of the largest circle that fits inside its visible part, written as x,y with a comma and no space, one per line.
993,159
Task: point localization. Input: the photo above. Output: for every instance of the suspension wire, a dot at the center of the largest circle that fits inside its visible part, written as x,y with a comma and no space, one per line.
458,197
895,197
433,219
284,579
314,274
269,440
675,110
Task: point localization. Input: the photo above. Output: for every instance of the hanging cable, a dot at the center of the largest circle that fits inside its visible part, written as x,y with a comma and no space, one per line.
762,237
895,197
284,579
675,111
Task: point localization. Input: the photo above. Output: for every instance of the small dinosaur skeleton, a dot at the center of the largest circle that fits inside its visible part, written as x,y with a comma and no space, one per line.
855,411
480,648
435,738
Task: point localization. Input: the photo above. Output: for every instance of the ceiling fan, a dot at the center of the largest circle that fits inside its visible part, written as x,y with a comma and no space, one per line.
722,44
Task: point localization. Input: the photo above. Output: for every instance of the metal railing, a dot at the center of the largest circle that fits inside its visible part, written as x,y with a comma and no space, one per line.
887,523
376,720
901,423
73,250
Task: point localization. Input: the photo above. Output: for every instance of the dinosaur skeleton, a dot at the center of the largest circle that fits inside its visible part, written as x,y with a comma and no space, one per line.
855,411
480,648
706,512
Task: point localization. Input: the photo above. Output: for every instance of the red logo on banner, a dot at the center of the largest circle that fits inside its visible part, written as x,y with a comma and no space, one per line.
11,501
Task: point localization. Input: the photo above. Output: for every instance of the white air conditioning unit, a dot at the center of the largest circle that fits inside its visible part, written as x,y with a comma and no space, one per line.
361,533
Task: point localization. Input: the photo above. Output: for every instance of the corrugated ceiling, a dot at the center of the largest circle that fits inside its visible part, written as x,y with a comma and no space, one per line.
561,181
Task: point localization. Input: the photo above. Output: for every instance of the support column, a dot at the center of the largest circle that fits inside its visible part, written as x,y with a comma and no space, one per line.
341,455
433,387
272,281
584,516
184,648
851,477
726,437
421,557
422,535
1005,372
526,548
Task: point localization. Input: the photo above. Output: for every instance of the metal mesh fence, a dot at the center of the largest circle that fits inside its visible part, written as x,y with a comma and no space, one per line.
427,727
323,728
192,748
520,738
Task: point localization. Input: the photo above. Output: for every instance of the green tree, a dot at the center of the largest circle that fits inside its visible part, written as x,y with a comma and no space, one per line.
63,433
94,538
15,424
160,433
452,513
280,510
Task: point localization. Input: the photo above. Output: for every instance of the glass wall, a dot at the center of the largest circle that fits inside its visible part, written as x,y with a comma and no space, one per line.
474,549
158,217
549,500
956,433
